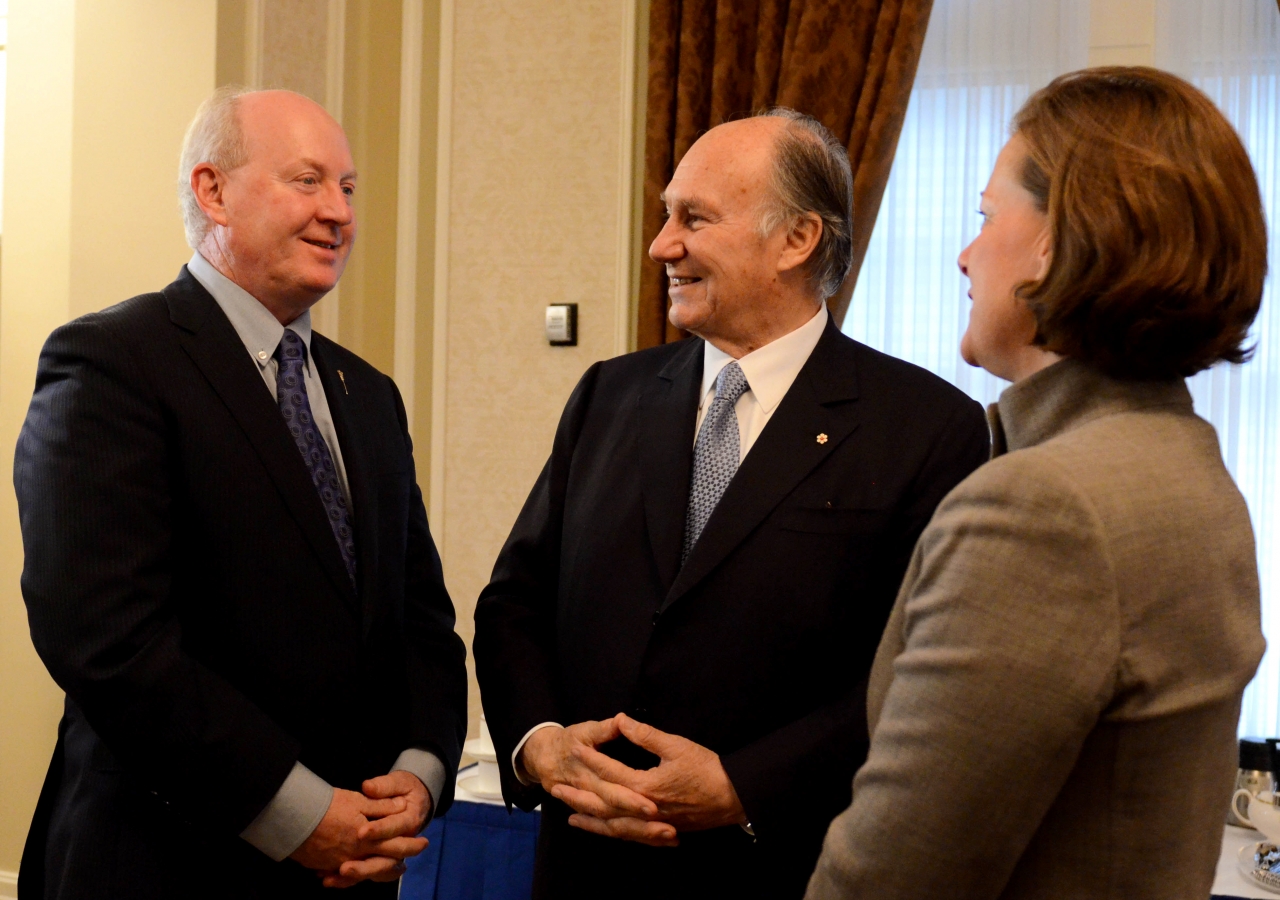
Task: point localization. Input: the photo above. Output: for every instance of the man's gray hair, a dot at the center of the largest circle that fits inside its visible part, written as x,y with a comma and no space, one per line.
811,174
215,137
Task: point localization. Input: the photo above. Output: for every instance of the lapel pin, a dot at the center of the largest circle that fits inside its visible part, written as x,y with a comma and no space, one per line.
822,439
348,393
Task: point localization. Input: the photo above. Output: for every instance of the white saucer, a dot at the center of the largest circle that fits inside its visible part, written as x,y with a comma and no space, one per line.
1249,871
470,782
475,748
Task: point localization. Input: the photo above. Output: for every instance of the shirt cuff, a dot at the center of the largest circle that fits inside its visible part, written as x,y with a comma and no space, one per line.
429,770
521,774
293,813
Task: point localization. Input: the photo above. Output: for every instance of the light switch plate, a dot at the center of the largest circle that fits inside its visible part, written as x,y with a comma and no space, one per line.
562,324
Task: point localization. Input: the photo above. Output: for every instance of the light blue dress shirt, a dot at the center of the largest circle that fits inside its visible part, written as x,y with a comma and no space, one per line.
301,802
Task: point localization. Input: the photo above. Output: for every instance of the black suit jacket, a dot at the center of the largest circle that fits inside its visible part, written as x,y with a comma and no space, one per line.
759,646
184,588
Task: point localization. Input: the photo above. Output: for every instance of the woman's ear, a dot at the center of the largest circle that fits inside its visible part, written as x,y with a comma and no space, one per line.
1044,253
802,239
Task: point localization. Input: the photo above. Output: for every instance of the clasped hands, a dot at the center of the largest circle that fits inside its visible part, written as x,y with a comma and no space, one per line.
687,791
368,836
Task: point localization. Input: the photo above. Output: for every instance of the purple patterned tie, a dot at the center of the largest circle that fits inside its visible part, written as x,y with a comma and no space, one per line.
291,393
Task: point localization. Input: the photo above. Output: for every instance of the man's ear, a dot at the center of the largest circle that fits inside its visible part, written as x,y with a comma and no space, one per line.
802,239
209,183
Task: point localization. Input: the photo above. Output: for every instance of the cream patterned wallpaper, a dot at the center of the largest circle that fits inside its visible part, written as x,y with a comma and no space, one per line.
535,194
294,37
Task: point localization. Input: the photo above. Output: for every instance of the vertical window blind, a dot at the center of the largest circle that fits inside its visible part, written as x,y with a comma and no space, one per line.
1230,49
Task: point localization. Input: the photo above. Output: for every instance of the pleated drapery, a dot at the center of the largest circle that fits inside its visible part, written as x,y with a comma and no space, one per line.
850,63
980,62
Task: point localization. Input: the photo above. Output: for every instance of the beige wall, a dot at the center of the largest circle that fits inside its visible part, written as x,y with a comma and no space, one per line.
371,115
98,97
536,200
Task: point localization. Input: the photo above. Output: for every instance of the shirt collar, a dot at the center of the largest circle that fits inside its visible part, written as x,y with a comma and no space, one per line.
258,329
771,369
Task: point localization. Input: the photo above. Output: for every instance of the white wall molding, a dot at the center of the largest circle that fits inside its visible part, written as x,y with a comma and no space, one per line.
407,201
326,316
624,279
335,57
440,293
254,25
8,885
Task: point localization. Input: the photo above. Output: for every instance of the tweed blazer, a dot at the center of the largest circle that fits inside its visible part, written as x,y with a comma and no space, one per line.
1054,701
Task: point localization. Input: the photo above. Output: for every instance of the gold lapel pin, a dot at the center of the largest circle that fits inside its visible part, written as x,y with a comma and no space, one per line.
822,439
348,393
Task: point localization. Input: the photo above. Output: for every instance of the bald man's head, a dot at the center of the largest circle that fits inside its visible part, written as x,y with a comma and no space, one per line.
268,197
755,209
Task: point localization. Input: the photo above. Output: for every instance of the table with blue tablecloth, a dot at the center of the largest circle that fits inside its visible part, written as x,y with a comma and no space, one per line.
480,852
477,851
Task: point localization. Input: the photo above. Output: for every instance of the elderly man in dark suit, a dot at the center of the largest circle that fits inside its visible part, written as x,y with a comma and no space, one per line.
673,649
228,565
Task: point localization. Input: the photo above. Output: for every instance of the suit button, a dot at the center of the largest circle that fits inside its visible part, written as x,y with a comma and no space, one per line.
639,713
656,616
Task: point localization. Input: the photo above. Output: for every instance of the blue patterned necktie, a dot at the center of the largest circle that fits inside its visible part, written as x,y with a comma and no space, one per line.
291,393
715,454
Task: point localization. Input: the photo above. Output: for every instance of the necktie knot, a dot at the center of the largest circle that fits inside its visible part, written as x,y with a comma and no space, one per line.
731,383
291,350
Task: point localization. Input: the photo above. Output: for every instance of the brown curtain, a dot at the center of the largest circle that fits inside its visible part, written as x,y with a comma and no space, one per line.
850,63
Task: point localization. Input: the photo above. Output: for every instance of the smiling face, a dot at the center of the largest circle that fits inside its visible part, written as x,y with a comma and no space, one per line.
1014,246
728,283
283,222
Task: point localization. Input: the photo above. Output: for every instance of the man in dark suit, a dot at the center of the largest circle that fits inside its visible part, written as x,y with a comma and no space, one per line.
228,565
698,582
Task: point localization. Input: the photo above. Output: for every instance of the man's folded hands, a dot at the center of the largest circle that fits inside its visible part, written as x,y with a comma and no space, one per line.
369,835
687,791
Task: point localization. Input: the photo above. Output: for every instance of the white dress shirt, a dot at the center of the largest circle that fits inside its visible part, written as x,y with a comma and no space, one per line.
301,802
770,372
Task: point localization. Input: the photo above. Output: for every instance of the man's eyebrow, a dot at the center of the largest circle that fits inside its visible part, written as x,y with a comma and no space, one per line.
688,204
316,164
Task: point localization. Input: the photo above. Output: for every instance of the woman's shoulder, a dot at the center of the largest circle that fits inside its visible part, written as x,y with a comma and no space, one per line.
1119,459
1142,484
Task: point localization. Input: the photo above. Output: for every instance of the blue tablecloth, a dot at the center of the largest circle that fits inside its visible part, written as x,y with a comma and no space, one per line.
479,852
476,852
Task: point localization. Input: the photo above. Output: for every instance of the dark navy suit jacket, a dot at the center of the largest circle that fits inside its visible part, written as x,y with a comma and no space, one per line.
759,646
184,588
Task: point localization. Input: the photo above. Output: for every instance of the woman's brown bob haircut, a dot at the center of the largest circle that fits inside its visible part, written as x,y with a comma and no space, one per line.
1159,240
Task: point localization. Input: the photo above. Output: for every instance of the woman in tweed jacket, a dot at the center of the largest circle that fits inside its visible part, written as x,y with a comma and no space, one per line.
1053,706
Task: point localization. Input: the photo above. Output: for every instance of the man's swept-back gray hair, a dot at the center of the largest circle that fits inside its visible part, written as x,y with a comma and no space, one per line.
811,174
215,137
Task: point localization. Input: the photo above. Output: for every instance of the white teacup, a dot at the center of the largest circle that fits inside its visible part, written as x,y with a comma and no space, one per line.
1262,812
487,777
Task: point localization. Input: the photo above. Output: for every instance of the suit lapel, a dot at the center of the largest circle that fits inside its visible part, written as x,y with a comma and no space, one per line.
345,410
819,403
211,342
668,413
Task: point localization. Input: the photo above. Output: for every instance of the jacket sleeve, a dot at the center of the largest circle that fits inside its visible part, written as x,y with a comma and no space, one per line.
93,475
516,613
802,770
1009,633
437,667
